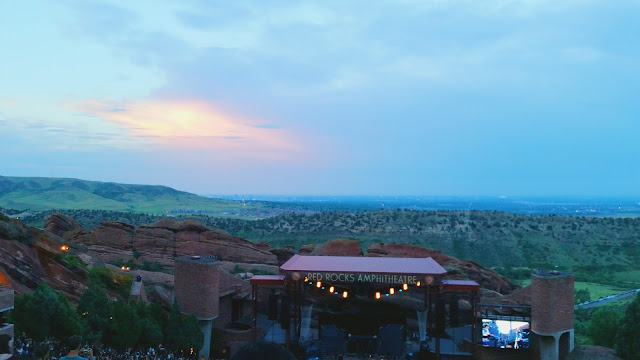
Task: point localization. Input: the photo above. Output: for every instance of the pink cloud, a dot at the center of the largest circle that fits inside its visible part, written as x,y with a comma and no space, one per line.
198,125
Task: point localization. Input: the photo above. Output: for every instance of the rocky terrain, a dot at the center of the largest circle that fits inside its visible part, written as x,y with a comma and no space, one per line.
158,243
29,255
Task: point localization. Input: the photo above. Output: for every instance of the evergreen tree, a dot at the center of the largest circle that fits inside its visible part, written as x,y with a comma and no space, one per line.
183,334
603,326
628,338
45,313
124,328
94,309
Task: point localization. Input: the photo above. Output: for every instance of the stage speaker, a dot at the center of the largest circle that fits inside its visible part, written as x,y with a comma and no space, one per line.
285,309
272,309
453,312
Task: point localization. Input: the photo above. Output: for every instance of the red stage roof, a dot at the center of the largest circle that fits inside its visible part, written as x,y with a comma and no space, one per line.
373,265
267,280
460,285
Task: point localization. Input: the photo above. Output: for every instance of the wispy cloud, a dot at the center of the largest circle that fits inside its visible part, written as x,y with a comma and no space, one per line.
195,124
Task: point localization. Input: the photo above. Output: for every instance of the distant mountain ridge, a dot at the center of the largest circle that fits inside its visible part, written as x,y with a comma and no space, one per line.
39,193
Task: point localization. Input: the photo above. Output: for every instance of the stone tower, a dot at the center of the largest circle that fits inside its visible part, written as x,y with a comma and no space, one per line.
197,291
552,314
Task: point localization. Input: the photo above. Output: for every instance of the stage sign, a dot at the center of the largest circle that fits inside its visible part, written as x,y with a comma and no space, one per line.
366,278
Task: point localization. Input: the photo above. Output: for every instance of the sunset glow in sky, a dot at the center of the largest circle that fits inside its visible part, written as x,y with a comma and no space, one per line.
435,97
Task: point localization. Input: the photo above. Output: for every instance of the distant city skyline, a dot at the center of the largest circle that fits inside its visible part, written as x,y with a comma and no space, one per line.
433,98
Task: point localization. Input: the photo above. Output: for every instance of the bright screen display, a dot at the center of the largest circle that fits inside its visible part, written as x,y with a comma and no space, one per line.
505,334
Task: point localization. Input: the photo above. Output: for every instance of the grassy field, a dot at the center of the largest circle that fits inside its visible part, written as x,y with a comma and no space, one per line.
55,193
597,291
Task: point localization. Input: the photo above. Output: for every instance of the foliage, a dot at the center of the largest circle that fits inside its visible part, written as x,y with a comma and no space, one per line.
603,326
45,313
94,308
627,340
514,273
237,270
183,334
107,279
124,328
151,334
581,295
151,266
70,261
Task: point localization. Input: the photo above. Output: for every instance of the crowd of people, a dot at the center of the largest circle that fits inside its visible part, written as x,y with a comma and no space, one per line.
73,348
24,348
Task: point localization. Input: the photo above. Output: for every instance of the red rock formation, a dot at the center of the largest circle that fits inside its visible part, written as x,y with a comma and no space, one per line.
26,259
63,225
458,269
337,247
163,241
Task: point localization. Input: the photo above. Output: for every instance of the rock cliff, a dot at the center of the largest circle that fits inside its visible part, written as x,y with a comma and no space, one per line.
27,259
457,269
159,242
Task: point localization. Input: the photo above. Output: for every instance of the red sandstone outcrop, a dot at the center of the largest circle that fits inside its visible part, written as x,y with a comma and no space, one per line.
63,225
26,260
337,247
162,241
457,269
284,254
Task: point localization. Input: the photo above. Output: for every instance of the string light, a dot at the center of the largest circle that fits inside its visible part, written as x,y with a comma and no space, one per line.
319,284
378,295
392,291
306,279
418,283
345,294
331,289
405,286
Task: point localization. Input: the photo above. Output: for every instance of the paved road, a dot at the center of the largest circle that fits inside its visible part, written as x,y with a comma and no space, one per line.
606,300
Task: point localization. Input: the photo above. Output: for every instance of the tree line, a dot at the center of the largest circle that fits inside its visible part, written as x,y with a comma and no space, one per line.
119,324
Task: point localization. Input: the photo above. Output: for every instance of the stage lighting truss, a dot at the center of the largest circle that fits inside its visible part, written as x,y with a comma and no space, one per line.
345,292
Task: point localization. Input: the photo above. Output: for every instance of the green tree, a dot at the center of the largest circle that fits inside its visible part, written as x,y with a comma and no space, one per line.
603,326
124,328
183,333
581,296
151,334
93,307
105,278
627,340
45,313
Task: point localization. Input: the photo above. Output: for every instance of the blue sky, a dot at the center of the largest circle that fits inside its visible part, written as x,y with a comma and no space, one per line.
494,97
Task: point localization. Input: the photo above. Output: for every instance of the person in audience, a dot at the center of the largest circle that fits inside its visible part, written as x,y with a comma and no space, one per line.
263,350
42,351
74,343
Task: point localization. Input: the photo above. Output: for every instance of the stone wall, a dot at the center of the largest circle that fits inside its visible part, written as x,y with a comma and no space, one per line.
196,284
551,302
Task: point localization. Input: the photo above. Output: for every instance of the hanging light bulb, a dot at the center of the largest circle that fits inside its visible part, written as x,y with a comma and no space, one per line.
345,294
331,289
378,295
392,291
319,284
405,286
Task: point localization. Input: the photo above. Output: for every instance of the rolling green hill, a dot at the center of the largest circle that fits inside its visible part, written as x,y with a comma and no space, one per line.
55,193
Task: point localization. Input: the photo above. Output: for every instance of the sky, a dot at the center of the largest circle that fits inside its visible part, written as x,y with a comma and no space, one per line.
402,97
